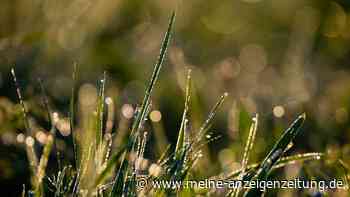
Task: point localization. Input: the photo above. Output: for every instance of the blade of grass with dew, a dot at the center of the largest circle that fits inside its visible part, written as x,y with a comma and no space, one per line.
118,184
59,182
289,160
84,167
32,157
62,182
100,108
162,159
87,152
109,167
276,153
43,164
105,149
48,146
130,184
206,125
108,138
21,101
247,149
155,75
180,139
99,140
250,142
131,189
178,166
281,145
133,145
282,162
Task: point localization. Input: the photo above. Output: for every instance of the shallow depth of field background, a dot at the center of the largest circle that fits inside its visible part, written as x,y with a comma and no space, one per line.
278,58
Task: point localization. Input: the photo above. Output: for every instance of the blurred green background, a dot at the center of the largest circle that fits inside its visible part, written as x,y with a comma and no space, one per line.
278,58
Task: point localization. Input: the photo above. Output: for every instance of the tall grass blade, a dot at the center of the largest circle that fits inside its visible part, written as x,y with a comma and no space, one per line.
250,142
206,125
276,153
118,185
43,164
181,138
109,167
284,161
21,101
155,74
100,108
247,149
32,157
48,146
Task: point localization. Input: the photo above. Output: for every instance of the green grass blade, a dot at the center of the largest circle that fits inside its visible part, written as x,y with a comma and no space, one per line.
250,142
180,139
206,125
282,162
48,146
100,108
118,185
276,153
288,160
163,157
279,148
155,74
109,167
247,149
43,164
32,157
21,101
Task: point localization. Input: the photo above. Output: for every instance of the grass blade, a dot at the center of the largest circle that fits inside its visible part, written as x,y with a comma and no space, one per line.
206,125
276,153
32,157
250,142
247,149
119,180
109,166
100,108
281,145
42,165
48,146
155,74
181,138
21,101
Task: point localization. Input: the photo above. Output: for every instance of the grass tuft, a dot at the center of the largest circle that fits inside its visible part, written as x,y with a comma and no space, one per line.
106,166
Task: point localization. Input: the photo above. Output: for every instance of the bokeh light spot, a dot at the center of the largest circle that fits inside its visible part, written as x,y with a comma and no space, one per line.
278,111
